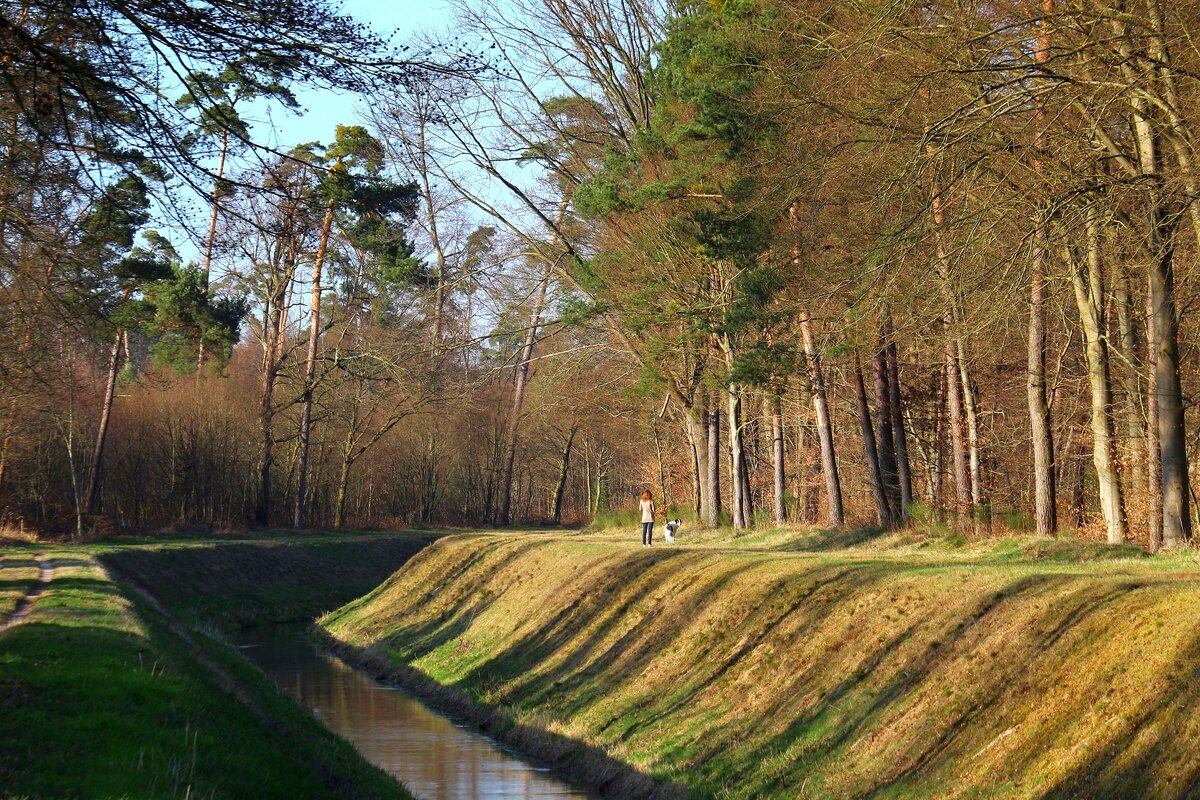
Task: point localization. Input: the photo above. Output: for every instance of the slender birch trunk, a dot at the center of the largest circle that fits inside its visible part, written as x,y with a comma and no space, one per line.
1168,391
971,412
1089,298
954,396
273,341
1162,220
736,454
697,434
714,460
658,460
833,486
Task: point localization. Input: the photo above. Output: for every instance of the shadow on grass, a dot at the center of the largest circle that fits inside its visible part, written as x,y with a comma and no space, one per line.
247,583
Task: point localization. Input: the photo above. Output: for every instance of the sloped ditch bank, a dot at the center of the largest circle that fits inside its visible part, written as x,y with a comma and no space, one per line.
274,588
585,765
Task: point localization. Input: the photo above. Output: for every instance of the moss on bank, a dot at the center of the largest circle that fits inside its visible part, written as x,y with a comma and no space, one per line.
796,666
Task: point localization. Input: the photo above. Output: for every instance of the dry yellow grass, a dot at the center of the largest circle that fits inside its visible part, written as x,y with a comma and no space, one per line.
779,667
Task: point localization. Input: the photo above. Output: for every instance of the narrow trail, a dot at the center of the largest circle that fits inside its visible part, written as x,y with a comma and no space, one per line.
25,604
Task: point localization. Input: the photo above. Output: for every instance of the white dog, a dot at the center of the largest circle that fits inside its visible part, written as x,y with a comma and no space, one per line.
671,528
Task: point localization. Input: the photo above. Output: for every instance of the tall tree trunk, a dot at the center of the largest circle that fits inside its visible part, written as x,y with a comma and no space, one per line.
522,378
939,435
874,473
1168,391
714,460
339,503
954,397
1153,451
1161,223
903,464
310,373
92,503
736,455
1045,496
1127,349
833,486
564,468
808,460
1045,490
778,466
695,422
885,440
1089,298
972,419
958,429
658,460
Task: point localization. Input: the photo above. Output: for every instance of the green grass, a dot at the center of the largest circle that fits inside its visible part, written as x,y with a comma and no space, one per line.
104,696
20,572
844,664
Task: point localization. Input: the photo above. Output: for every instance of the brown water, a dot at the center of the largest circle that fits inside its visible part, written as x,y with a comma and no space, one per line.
435,758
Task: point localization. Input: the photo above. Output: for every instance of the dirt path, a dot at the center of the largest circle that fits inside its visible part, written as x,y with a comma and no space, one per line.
21,612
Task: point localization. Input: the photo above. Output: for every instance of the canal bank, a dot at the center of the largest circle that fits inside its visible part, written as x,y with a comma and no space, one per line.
243,587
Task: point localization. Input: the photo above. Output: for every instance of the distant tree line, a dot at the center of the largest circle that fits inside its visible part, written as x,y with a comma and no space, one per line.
841,264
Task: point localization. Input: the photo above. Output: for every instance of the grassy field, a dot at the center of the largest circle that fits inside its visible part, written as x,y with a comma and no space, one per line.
786,665
104,694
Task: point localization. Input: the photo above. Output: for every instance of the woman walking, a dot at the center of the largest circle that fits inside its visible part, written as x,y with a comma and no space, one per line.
647,506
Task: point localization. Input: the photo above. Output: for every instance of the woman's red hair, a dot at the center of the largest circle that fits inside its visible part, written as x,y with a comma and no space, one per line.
647,496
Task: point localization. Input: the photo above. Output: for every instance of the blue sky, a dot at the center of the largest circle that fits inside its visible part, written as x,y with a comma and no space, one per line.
323,109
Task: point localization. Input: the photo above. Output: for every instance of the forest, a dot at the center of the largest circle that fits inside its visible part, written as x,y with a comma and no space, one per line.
782,262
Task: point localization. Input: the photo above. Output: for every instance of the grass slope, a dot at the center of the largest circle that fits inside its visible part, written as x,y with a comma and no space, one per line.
841,666
105,694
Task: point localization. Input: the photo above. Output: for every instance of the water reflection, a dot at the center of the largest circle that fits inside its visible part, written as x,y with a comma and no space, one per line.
433,757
